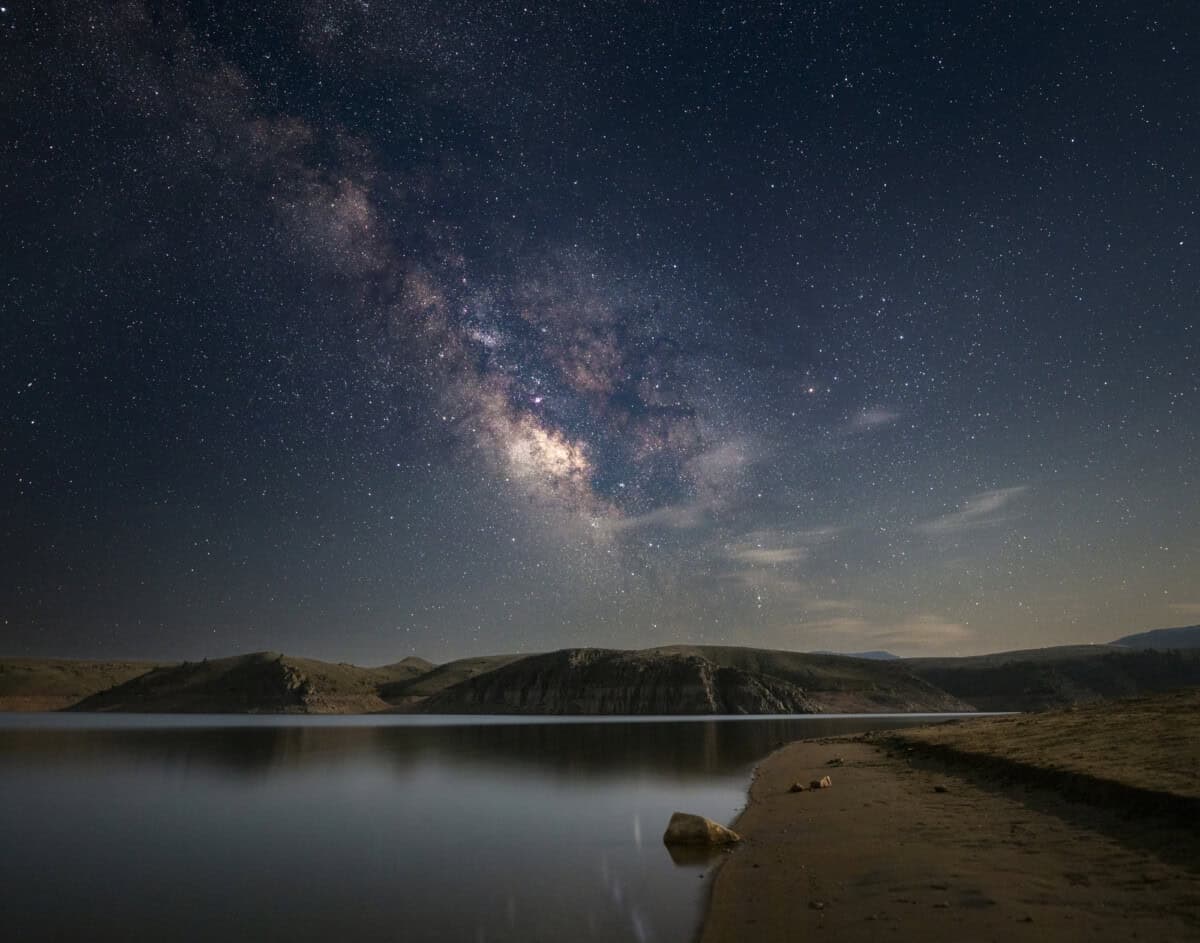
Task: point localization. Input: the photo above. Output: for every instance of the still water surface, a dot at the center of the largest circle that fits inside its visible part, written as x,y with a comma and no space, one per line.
413,829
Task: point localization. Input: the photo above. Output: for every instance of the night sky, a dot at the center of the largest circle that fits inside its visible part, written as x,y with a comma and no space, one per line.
366,329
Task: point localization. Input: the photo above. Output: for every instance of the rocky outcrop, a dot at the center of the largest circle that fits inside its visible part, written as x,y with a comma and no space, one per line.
687,829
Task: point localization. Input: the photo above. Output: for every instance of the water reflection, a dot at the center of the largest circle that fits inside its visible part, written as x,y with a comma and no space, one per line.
400,829
669,748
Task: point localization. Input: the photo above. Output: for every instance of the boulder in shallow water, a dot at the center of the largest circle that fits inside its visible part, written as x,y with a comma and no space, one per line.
687,829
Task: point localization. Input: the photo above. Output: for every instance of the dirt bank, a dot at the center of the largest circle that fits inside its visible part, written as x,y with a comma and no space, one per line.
905,847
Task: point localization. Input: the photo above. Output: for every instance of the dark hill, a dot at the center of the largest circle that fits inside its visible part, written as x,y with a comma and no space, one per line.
1057,677
48,684
408,691
1186,636
680,679
600,681
264,682
689,680
835,682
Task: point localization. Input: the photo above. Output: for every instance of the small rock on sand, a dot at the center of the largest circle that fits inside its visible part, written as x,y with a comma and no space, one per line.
823,783
797,787
940,788
687,829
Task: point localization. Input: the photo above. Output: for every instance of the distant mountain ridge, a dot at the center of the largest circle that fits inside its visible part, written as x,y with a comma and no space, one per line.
1185,636
677,679
1042,678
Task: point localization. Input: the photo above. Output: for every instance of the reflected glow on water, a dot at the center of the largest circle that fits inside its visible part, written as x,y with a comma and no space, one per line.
389,828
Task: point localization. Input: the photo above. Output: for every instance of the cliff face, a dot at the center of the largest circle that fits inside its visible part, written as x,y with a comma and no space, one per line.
685,680
599,681
834,683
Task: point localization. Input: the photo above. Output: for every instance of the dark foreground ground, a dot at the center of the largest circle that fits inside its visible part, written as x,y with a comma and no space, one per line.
1074,825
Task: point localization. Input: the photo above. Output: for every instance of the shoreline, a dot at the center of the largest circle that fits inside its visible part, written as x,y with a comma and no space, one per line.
909,846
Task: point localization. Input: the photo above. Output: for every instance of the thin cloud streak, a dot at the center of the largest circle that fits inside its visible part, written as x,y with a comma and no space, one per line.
979,510
768,556
870,419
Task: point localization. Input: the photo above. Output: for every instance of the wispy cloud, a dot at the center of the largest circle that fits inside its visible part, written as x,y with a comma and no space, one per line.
979,510
714,473
769,556
674,517
834,631
871,418
777,548
832,605
842,630
922,632
716,470
782,587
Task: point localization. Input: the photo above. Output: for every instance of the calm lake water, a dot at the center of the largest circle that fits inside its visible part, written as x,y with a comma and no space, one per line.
413,829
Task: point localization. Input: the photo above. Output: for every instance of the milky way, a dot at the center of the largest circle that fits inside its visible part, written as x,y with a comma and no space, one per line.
361,330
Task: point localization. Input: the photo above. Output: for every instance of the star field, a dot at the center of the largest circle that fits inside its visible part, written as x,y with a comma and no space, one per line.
360,330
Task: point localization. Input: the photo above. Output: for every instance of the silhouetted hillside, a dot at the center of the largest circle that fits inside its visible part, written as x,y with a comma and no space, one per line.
436,679
1056,677
690,680
1186,636
263,682
678,679
47,684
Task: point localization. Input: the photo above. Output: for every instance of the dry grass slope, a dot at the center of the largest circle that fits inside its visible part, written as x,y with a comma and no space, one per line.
30,684
1141,750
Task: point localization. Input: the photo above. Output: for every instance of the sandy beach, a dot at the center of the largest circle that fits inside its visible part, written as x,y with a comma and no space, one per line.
905,846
